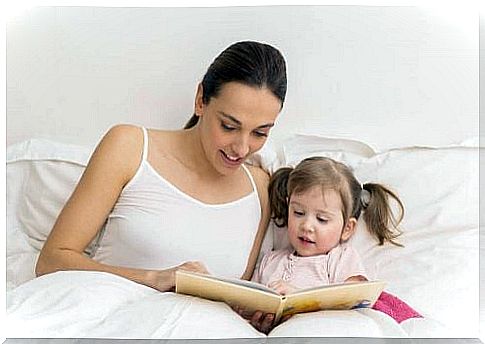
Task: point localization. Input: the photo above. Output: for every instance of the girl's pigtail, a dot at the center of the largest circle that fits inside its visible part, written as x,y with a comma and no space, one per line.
278,196
378,215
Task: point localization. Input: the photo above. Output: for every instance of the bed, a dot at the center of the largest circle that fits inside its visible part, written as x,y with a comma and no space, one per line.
436,273
391,91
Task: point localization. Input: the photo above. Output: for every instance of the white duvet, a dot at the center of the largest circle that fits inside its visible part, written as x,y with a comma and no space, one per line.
84,304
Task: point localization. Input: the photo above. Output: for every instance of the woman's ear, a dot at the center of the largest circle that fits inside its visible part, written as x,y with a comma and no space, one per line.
199,103
349,229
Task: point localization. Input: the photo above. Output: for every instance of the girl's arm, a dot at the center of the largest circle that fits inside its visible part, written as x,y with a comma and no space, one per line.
112,165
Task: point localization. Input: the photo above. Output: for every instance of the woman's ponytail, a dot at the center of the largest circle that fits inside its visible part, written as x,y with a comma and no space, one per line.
378,214
278,196
192,122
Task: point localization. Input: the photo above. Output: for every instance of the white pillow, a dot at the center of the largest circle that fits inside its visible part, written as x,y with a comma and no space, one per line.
437,270
349,152
42,176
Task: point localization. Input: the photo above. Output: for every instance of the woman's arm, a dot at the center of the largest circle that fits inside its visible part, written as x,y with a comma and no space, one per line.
261,178
111,166
259,320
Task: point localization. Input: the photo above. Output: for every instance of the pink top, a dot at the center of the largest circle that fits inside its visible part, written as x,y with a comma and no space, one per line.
339,264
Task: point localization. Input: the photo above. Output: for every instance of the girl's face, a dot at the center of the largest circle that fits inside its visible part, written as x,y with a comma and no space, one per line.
235,124
315,223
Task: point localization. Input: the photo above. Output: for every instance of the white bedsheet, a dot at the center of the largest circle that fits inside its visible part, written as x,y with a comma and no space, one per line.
84,304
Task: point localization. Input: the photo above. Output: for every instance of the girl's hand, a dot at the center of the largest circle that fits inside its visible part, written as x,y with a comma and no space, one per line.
358,278
282,287
164,280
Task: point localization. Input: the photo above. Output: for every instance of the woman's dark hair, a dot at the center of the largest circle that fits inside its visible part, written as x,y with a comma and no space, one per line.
250,63
371,198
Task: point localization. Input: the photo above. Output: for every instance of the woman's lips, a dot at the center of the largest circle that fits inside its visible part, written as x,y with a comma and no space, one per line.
231,161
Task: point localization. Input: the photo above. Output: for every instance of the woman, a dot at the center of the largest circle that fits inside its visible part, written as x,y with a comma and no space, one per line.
180,199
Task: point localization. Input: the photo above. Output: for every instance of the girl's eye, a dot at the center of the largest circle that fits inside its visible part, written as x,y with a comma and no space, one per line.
227,127
322,220
298,213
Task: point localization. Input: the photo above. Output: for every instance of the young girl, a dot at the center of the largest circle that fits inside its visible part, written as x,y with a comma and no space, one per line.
320,201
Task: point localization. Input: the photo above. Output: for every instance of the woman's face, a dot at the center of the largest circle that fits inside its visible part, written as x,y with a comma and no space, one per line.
235,124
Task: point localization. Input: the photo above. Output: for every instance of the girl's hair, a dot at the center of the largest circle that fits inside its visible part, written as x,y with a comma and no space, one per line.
371,198
250,63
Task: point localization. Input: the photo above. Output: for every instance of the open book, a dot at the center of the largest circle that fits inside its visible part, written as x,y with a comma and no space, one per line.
254,296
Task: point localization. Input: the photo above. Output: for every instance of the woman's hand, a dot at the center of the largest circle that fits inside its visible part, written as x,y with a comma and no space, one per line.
193,266
263,322
164,280
259,320
282,287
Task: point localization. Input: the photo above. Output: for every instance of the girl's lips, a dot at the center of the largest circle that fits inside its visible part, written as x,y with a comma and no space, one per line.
231,162
306,241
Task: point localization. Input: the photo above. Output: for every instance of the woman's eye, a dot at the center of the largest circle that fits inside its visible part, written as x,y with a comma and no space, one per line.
227,127
260,134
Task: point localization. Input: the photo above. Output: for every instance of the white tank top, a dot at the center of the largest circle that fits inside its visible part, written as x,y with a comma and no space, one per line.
154,225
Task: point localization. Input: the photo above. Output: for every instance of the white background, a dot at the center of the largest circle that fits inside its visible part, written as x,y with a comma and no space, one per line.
387,75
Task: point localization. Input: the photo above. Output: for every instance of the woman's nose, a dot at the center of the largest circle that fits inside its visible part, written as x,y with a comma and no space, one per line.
241,146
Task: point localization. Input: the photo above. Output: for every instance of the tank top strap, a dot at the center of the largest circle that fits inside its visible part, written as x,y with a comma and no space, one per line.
145,143
250,177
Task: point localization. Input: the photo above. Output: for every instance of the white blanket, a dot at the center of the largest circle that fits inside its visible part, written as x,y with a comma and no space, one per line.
78,304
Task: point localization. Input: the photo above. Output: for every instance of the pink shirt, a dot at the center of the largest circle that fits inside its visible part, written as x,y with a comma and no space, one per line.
336,266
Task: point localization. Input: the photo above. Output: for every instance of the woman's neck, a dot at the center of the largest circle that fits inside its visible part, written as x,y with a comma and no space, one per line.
192,154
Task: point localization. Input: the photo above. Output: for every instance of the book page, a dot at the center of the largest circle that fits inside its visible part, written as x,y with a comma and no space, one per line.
337,296
331,286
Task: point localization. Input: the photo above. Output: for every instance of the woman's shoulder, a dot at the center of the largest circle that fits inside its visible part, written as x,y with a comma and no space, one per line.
122,139
261,179
123,133
260,176
122,148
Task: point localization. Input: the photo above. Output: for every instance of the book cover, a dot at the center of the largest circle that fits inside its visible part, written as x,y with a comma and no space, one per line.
254,296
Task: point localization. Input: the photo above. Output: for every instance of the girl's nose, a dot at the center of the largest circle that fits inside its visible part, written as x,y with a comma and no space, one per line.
307,225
